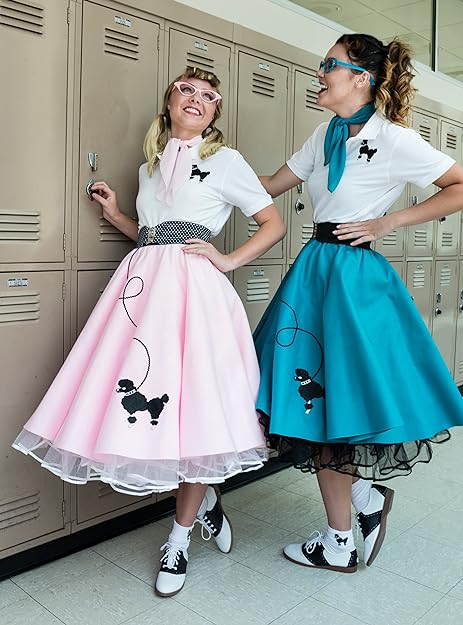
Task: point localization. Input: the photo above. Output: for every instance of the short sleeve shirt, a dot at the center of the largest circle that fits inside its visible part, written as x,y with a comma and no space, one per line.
216,185
380,160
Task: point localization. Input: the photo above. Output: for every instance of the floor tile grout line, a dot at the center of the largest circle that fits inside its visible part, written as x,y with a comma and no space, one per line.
40,604
378,566
342,611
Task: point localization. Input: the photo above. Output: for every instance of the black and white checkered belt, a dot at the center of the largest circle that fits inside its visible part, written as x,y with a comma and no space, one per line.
323,232
171,232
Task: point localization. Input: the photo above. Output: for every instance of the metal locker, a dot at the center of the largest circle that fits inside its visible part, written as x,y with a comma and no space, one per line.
189,50
459,333
307,116
420,238
262,105
419,284
32,338
392,245
119,63
398,266
256,286
33,74
96,499
448,228
445,309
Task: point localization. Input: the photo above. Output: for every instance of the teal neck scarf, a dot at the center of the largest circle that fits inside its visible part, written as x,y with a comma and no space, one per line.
335,142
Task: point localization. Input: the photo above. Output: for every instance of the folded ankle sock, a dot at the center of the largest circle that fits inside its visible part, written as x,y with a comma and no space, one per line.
361,494
180,535
338,541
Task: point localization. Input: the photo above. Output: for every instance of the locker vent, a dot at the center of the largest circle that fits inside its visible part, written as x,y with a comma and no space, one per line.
104,490
311,99
258,290
252,228
22,15
19,510
419,279
109,233
445,276
425,132
447,239
390,240
420,238
19,226
121,44
264,85
451,141
460,367
15,307
201,62
306,232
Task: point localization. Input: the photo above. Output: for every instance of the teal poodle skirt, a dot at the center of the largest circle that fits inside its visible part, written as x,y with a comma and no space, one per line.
350,377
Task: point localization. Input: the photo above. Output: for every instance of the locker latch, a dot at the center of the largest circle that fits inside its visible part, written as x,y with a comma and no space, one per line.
88,189
442,219
299,207
437,312
438,298
93,160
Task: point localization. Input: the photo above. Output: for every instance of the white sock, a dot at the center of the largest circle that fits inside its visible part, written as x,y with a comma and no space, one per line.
180,535
338,541
361,494
203,506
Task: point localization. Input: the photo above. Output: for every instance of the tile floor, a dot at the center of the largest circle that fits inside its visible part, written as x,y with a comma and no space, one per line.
416,580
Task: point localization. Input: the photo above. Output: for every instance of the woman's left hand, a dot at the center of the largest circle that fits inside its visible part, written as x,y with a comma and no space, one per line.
198,246
365,231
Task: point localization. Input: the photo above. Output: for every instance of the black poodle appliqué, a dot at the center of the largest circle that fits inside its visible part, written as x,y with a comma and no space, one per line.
134,401
308,389
195,171
369,152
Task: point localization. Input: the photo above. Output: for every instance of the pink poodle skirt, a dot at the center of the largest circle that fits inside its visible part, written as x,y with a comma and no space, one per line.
160,387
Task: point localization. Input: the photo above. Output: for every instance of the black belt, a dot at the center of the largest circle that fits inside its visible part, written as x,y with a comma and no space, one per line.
171,232
323,232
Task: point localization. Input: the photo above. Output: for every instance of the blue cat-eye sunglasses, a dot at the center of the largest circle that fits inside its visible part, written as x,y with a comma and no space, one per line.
329,64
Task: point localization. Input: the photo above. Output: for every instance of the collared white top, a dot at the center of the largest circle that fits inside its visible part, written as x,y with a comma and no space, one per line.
380,160
217,184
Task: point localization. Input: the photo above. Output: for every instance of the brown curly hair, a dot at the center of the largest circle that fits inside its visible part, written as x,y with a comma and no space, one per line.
391,67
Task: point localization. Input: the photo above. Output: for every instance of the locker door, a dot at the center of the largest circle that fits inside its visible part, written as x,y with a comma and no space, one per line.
398,266
448,228
392,245
118,102
262,105
419,285
445,310
459,333
190,50
31,498
33,75
97,499
307,116
420,238
256,286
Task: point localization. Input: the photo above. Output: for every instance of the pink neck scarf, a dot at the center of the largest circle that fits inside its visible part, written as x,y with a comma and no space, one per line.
175,167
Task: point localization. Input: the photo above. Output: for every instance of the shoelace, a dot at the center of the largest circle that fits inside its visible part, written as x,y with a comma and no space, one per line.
171,556
208,525
313,540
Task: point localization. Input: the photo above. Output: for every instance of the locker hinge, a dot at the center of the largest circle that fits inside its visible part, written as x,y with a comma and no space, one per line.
64,240
63,508
68,15
63,291
158,42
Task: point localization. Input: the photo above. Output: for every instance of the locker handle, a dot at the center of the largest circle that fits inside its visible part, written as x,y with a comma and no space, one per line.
438,312
442,219
438,298
299,207
300,188
414,200
93,160
88,189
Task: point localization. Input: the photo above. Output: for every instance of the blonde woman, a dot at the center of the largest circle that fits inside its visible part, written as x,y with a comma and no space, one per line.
159,390
352,386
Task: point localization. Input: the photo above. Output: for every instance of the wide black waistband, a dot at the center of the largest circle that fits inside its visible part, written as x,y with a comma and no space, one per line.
171,232
323,232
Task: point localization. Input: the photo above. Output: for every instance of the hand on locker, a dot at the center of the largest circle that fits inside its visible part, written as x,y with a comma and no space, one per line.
106,197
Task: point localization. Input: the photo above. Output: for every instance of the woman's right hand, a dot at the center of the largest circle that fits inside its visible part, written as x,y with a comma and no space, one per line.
106,197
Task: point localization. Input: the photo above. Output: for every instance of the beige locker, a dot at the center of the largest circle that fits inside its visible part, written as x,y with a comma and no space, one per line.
459,332
420,238
307,116
392,245
118,102
398,266
445,309
448,228
96,499
190,50
33,75
261,130
256,286
32,339
419,284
